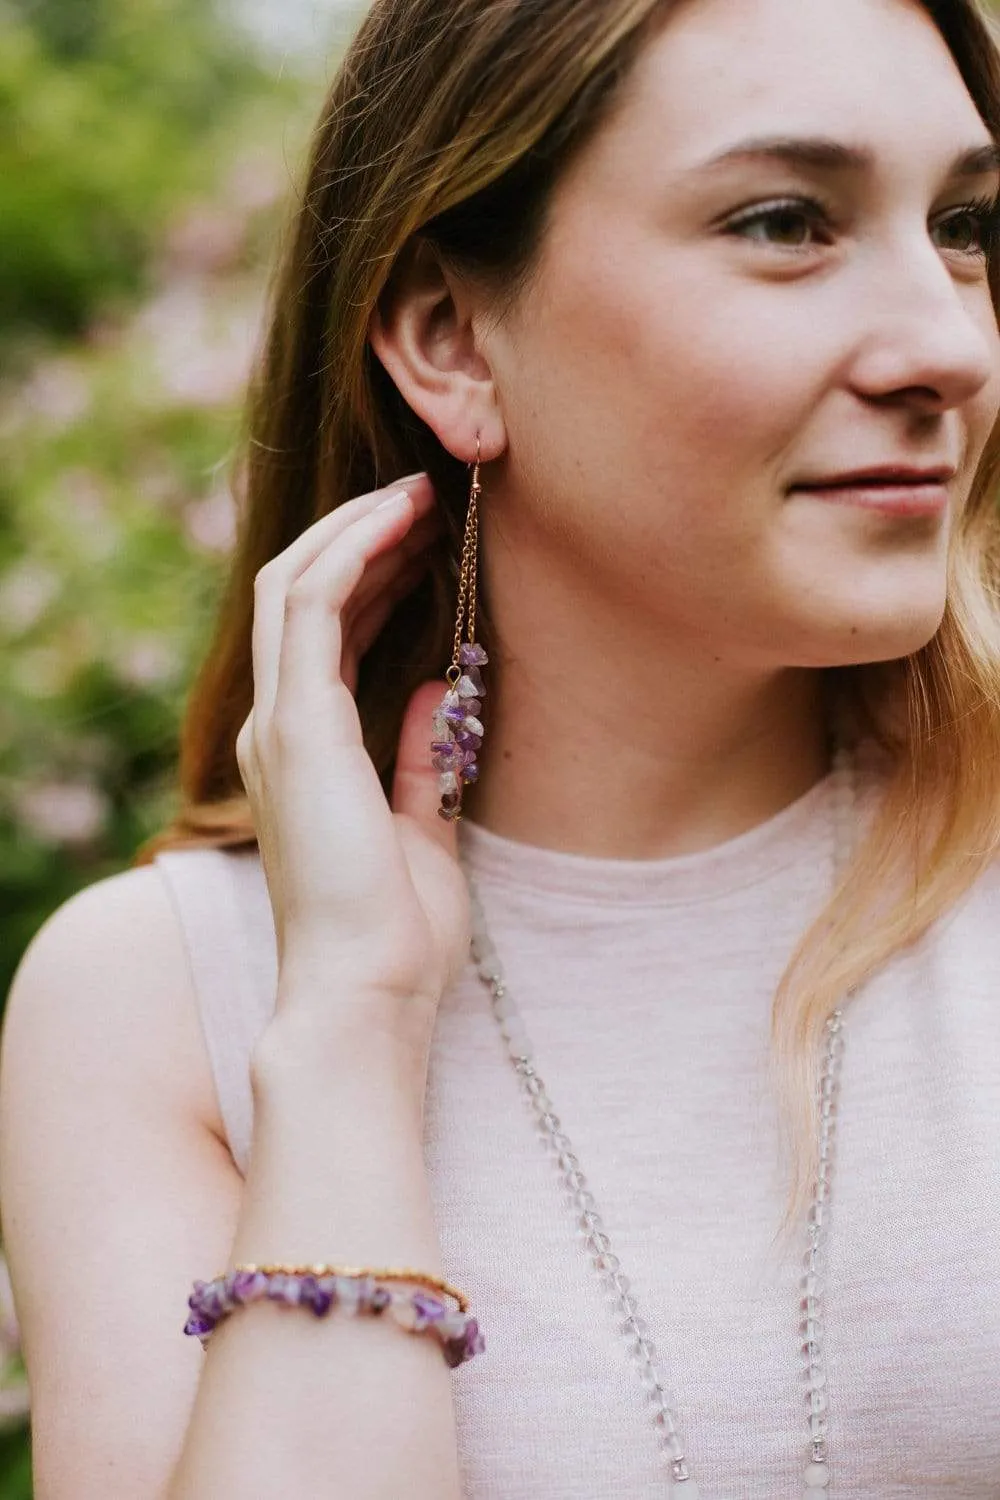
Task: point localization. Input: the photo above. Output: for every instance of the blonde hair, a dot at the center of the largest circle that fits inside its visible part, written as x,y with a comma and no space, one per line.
453,121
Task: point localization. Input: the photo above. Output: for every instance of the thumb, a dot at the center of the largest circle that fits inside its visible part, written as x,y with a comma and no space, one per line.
415,790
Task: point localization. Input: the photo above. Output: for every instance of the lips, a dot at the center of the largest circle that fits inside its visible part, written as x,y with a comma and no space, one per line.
879,493
894,475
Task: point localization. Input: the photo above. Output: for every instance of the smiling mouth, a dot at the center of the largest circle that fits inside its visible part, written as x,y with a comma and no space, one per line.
891,496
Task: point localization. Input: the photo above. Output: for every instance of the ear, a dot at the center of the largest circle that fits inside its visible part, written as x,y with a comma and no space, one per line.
422,332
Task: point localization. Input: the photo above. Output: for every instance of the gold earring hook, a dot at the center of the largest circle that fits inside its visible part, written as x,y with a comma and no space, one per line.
475,468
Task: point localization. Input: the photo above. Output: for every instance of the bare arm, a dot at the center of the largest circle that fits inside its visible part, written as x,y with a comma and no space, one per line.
117,1192
345,1408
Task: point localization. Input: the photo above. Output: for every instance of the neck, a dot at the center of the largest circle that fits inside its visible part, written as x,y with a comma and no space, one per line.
633,743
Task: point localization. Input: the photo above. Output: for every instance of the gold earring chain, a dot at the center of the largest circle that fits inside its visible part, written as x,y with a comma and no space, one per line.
467,573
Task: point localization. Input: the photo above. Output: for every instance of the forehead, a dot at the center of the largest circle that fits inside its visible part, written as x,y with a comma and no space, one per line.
874,69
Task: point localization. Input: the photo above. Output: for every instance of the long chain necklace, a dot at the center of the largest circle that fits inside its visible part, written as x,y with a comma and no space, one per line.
816,1476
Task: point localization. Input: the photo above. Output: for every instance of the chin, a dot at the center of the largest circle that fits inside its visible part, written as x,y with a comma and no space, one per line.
865,638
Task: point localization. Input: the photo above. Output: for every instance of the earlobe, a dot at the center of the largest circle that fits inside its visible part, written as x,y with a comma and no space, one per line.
421,331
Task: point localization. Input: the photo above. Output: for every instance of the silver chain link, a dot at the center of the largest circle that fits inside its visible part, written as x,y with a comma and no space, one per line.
660,1398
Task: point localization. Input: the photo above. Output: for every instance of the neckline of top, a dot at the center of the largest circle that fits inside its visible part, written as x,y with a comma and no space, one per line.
800,833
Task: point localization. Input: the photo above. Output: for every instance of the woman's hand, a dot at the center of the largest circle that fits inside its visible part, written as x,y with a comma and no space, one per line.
370,906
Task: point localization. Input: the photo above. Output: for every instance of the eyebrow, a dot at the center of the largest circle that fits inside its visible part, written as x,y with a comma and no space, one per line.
819,153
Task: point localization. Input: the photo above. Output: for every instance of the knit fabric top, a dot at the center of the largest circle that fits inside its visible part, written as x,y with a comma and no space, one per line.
646,988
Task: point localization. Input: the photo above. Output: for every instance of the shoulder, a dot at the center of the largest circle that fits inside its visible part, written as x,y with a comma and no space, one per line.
116,1181
105,984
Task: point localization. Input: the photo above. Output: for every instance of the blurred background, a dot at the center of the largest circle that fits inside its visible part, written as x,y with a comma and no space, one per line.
148,152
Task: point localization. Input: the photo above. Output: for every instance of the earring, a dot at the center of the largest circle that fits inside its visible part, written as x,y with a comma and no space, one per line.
458,731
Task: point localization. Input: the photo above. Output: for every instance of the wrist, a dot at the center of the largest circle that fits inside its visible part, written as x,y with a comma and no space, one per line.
359,1052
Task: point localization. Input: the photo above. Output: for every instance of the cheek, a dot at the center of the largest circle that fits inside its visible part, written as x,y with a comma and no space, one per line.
654,376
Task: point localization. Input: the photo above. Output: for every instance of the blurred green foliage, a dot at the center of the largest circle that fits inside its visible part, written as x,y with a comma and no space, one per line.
105,111
147,150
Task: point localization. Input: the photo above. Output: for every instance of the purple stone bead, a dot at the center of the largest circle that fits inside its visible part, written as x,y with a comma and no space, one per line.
428,1309
443,762
277,1288
470,771
475,677
315,1297
229,1289
454,1352
380,1299
350,1293
468,741
199,1326
213,1303
472,655
474,1341
443,747
455,715
249,1285
472,707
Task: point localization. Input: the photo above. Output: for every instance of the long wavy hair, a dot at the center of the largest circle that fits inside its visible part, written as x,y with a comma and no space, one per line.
452,120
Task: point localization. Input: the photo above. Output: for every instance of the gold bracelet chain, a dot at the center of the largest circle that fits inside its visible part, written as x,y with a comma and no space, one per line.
391,1273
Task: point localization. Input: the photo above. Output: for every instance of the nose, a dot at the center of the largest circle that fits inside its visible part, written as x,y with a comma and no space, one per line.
931,340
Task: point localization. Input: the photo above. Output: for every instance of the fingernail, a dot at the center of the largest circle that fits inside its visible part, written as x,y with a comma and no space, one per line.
420,474
394,499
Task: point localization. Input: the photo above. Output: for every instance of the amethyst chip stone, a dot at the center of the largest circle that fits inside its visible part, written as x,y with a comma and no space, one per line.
429,1309
458,730
314,1296
200,1326
380,1299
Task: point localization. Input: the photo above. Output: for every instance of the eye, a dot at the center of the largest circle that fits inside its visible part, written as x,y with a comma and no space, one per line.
981,218
787,224
782,222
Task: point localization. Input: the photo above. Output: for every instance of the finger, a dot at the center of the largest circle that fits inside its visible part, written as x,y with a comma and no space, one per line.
361,632
415,791
277,576
382,572
306,548
310,693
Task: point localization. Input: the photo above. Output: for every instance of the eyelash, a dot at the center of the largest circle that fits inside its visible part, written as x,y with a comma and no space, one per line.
985,213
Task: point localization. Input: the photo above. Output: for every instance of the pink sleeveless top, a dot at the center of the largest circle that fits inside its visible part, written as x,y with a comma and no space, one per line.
646,988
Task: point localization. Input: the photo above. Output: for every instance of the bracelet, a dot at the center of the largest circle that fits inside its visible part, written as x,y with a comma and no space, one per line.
392,1273
356,1289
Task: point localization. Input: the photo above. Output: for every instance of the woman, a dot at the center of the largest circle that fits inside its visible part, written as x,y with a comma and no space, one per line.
710,291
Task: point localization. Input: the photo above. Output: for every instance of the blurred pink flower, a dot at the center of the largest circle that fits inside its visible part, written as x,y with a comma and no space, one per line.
210,524
149,661
14,1397
26,591
208,237
58,392
201,349
62,812
84,501
255,181
14,1401
10,1337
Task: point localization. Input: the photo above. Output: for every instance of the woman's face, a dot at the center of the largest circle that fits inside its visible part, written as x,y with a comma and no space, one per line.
705,333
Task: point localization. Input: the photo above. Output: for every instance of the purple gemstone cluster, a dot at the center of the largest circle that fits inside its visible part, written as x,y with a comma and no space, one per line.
458,731
416,1311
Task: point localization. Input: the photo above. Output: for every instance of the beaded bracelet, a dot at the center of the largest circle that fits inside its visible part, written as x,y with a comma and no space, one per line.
356,1289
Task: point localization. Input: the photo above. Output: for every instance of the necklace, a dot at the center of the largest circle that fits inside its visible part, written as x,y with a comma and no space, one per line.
816,1475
